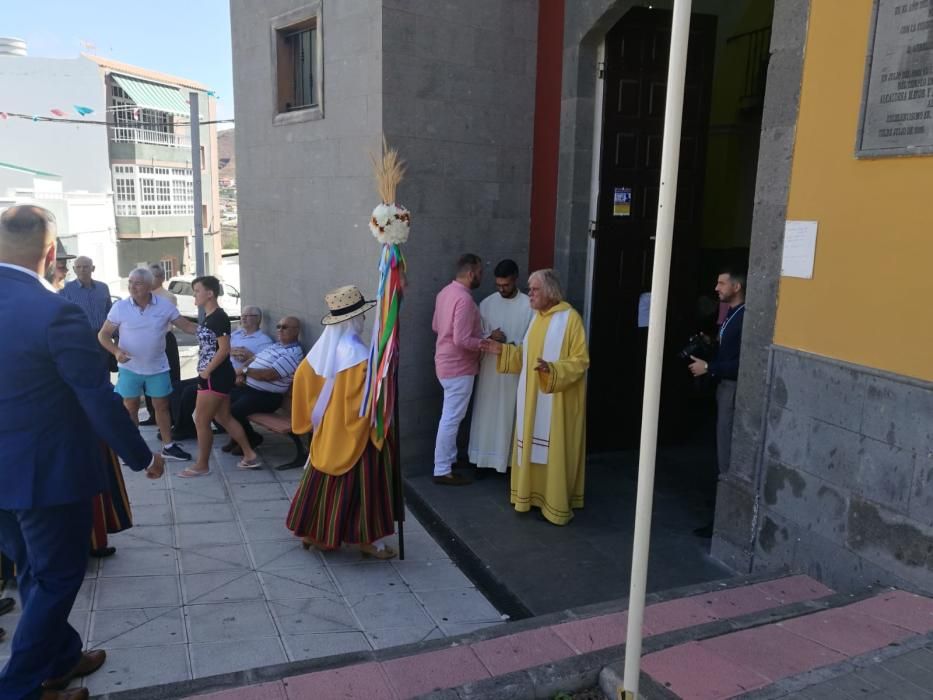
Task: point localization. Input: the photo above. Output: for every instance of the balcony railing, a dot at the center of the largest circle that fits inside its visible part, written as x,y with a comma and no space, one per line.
129,134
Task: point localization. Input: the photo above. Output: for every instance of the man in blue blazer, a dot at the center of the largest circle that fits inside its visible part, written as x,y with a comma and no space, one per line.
56,404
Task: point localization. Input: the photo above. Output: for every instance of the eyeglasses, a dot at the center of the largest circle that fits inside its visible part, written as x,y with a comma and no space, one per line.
249,316
282,326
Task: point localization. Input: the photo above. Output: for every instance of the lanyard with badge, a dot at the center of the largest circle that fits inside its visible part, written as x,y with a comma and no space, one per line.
722,328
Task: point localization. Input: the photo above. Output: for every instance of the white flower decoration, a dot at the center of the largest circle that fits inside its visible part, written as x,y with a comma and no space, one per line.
390,223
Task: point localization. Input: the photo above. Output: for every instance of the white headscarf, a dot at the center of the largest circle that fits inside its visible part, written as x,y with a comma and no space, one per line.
339,348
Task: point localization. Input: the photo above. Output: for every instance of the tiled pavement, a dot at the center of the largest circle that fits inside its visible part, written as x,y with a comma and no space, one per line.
474,661
773,661
209,580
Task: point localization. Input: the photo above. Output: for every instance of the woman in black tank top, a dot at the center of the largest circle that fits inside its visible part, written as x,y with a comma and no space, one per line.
215,380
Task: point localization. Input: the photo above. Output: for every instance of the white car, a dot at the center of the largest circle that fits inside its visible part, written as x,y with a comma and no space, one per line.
180,286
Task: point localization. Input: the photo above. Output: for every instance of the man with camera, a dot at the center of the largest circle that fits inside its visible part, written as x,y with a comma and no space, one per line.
724,364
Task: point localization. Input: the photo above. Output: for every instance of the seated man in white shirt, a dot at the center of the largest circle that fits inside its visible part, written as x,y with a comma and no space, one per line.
264,379
247,340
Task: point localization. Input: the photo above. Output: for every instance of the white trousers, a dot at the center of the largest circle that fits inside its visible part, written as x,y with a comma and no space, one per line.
457,391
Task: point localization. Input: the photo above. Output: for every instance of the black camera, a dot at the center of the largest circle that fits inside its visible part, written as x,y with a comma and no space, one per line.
699,346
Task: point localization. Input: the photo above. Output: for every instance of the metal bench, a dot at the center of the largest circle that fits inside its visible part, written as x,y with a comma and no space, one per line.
280,423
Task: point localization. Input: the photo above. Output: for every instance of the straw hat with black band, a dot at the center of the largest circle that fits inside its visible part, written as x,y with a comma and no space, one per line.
345,303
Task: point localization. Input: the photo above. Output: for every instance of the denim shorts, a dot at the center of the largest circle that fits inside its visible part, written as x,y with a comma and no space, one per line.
130,385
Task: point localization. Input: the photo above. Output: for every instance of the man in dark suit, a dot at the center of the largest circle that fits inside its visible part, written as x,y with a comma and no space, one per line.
55,407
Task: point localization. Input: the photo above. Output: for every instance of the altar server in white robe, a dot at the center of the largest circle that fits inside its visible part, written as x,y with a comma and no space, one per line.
506,315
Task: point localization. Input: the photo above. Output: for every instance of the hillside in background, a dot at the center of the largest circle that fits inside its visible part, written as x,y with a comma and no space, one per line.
226,158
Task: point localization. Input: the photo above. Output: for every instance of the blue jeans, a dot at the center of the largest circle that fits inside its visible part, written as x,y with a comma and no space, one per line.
50,549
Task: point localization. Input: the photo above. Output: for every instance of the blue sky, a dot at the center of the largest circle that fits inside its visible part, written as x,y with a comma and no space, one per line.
189,38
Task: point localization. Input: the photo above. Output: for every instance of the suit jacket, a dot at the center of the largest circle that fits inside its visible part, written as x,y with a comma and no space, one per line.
56,401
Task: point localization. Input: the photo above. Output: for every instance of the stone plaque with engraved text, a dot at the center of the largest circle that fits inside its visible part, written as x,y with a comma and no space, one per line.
897,102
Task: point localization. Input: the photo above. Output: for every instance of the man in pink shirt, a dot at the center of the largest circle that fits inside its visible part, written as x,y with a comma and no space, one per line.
456,360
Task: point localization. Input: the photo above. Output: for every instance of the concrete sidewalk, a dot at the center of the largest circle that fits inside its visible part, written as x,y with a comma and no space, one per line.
789,637
842,652
209,581
533,658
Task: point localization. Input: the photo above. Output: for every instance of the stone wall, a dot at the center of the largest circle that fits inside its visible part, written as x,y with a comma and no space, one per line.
451,85
304,189
458,102
735,504
846,467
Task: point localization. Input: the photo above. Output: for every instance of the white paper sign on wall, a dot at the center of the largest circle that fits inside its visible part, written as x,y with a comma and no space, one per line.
799,249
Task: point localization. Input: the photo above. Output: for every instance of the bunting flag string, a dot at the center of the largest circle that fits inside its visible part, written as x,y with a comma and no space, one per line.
38,118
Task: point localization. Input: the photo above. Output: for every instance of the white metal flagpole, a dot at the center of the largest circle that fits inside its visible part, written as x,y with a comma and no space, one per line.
670,156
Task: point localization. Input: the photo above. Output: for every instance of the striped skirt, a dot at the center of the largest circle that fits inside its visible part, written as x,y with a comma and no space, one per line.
111,510
354,508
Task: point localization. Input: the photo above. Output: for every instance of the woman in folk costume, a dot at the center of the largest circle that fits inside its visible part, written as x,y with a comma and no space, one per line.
549,454
111,509
345,494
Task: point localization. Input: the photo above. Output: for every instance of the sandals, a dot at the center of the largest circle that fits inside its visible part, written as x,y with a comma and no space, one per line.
368,550
190,473
250,463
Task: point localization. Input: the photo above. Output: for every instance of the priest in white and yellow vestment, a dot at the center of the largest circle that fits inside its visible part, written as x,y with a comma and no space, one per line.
549,454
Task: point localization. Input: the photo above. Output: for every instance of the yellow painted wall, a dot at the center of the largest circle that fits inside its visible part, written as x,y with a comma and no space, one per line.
870,301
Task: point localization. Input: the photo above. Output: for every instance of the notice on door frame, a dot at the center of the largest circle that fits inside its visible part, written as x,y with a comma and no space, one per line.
799,249
622,201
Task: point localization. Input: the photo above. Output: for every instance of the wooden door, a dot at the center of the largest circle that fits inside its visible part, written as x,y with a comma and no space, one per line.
637,51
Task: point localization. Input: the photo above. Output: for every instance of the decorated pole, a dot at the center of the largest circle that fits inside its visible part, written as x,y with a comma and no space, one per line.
390,224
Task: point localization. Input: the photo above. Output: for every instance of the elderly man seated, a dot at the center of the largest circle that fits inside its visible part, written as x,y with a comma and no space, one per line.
264,377
248,339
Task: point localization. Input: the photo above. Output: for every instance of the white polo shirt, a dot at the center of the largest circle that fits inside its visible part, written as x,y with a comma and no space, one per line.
142,332
254,342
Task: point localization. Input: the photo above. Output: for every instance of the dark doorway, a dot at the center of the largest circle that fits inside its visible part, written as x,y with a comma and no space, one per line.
633,120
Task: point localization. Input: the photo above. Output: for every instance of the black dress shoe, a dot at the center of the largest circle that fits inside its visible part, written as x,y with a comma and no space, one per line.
452,480
103,552
6,604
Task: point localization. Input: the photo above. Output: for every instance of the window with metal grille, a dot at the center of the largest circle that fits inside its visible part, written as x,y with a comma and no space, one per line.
298,63
300,48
